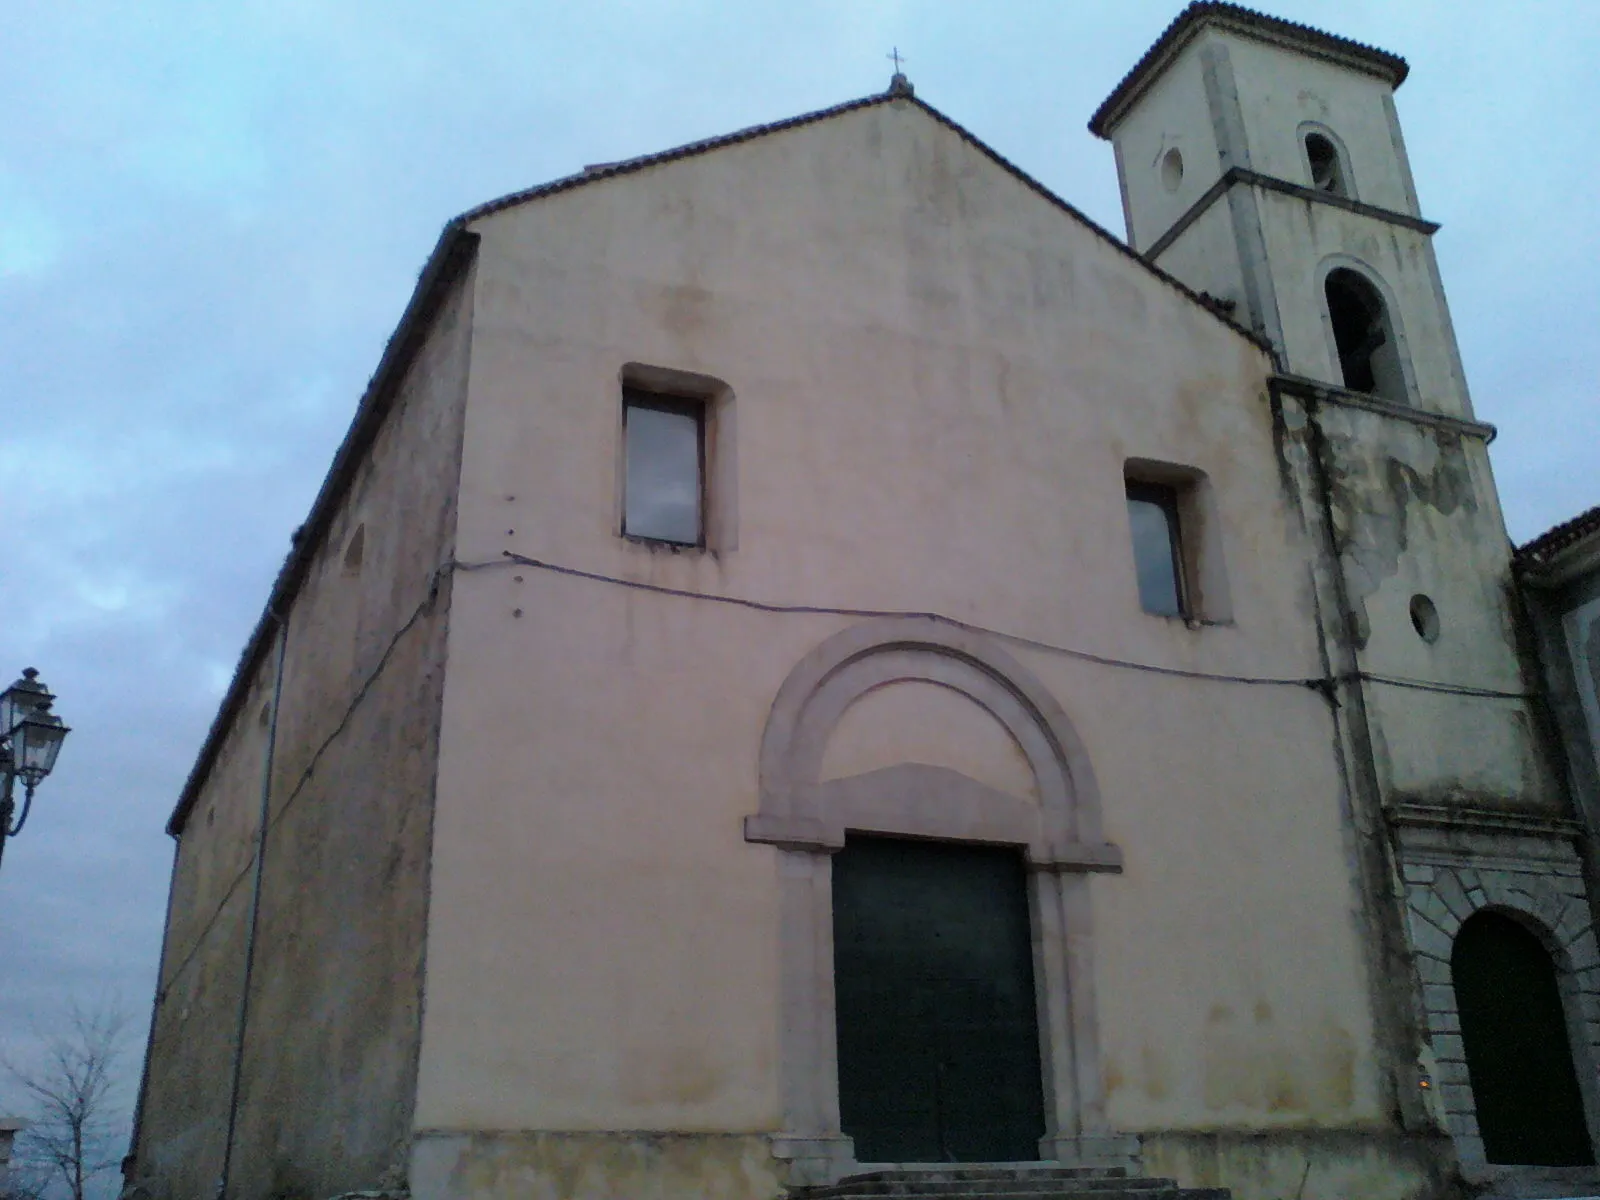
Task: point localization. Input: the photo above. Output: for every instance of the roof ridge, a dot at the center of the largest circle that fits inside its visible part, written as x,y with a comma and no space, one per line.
688,150
750,133
1379,61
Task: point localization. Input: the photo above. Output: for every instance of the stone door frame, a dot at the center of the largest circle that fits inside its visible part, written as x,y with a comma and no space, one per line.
1526,869
1059,833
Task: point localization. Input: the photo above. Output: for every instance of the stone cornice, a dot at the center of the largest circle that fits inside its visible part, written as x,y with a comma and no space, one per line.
1318,392
1483,820
1244,175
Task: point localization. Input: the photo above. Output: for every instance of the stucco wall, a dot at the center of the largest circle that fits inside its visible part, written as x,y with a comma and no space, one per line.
1175,112
1563,604
1279,92
1206,257
334,1019
938,376
1306,239
1416,513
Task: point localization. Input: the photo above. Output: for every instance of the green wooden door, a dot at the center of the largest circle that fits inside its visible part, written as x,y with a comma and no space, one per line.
933,977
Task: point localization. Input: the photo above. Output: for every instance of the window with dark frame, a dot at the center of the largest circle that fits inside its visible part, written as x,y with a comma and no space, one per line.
1157,548
664,448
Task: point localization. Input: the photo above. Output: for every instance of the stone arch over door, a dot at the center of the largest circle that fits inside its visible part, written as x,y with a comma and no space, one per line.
1553,908
807,819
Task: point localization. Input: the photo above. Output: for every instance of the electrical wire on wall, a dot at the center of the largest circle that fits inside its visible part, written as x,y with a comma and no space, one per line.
1325,686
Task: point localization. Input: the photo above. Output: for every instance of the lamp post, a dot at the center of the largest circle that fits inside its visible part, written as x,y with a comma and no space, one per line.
30,738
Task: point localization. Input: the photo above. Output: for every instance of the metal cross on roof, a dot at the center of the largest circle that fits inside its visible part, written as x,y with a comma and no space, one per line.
895,57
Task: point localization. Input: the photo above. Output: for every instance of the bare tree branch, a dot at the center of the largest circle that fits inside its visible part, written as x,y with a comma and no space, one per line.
72,1138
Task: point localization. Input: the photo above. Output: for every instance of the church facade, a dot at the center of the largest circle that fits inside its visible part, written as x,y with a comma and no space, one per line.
814,655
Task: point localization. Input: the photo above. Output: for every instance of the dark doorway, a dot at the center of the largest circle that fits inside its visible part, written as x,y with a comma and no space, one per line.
1530,1111
933,975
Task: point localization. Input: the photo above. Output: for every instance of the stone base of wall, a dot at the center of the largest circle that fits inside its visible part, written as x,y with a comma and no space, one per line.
1282,1165
594,1166
1307,1164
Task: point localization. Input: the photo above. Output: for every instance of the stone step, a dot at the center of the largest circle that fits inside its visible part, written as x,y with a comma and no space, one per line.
1542,1183
893,1185
1068,1191
1008,1182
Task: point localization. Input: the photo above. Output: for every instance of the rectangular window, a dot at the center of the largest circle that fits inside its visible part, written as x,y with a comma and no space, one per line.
664,444
1158,548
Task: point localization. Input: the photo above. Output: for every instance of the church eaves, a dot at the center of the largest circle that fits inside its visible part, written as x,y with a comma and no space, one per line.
1236,18
1550,545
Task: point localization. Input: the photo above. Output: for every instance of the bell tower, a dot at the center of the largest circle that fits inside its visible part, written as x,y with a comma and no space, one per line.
1262,162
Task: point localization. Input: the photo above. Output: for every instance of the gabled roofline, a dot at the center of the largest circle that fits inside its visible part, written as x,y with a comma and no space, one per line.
896,94
1305,39
456,248
452,254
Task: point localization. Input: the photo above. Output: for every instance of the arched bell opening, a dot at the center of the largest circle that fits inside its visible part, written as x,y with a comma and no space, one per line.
1364,335
1327,167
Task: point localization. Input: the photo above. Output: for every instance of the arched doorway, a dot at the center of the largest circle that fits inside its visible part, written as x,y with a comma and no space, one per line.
1363,334
1519,1058
1026,854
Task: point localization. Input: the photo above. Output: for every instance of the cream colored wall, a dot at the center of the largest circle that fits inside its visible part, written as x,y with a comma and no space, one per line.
1304,239
1417,513
1174,112
1279,91
915,721
327,1068
937,376
1206,257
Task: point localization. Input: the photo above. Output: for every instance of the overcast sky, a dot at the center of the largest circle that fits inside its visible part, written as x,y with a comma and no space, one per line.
211,216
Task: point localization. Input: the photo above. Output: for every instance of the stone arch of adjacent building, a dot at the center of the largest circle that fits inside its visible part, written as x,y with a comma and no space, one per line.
1058,831
1552,906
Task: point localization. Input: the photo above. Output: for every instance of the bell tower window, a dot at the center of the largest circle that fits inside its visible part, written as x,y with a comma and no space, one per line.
1369,357
1327,172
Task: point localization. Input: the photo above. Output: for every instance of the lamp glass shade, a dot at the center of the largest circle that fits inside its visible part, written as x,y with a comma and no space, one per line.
21,699
35,743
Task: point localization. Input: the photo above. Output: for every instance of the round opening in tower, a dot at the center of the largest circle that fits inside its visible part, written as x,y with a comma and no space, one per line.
1172,169
1425,618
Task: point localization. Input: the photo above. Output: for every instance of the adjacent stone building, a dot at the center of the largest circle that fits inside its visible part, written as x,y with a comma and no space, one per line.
814,654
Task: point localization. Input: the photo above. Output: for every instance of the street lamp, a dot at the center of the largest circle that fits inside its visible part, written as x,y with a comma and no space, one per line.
30,738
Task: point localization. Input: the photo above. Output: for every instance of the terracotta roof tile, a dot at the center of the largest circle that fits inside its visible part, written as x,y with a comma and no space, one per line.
1380,62
1548,545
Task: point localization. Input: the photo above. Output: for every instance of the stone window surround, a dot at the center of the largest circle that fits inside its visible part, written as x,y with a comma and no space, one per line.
719,468
807,819
1532,874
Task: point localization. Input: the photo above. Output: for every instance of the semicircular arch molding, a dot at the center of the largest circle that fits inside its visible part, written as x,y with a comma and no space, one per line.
1061,828
1058,827
1553,909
